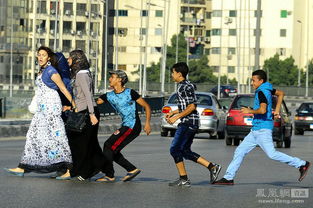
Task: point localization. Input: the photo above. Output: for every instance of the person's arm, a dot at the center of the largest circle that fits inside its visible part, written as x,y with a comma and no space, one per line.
190,108
102,99
280,96
56,78
260,110
82,80
147,108
170,114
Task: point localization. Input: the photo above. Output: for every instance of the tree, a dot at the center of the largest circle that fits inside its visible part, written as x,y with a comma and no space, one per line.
281,72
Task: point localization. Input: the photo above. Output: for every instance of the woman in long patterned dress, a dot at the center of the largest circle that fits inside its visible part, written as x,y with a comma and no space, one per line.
46,149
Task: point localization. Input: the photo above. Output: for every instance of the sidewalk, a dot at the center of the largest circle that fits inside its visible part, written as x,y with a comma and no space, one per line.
108,124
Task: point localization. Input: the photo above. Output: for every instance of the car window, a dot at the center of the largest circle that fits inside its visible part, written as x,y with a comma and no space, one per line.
243,101
306,108
204,99
201,99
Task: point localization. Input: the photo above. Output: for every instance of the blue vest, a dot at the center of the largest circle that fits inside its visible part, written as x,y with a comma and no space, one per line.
263,121
46,77
124,105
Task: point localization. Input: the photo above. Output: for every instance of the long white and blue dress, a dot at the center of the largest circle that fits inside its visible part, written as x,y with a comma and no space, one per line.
46,149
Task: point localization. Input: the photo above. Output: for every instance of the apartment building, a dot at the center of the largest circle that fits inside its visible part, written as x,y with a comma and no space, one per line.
13,41
64,26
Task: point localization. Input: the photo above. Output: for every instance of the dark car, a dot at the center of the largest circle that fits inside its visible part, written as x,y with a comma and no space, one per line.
225,90
304,118
238,125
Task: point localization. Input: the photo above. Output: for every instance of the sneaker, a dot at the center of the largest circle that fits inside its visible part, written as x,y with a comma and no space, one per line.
304,170
180,182
224,181
214,171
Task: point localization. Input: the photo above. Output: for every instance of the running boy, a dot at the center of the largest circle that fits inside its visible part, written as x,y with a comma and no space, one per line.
187,113
261,133
123,100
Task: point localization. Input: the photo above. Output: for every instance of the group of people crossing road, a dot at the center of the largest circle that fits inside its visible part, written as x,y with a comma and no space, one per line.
51,147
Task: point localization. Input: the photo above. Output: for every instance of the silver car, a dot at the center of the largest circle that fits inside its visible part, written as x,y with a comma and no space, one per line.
212,115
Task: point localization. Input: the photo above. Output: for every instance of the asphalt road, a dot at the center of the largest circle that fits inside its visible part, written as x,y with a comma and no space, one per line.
260,181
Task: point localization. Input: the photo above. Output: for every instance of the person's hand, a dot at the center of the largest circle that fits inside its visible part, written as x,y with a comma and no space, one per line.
66,108
168,115
245,110
93,119
172,119
147,128
276,115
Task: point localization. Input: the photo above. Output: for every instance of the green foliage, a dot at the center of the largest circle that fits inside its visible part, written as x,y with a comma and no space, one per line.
281,72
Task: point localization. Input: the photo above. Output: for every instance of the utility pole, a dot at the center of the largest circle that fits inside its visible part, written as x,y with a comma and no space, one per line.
257,36
55,25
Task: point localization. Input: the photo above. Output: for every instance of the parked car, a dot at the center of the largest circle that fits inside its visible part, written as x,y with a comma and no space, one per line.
212,115
238,125
225,90
303,120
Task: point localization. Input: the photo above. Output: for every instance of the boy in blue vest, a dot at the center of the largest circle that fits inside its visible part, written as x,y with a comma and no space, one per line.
261,133
123,100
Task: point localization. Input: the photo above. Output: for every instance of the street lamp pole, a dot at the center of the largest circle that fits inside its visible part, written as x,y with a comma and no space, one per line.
116,35
220,57
11,56
106,46
144,85
55,25
299,75
307,51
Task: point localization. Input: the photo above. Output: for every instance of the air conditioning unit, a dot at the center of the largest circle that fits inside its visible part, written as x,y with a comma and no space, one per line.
79,33
72,32
229,57
52,31
289,12
52,11
87,14
93,34
68,12
39,30
207,39
93,15
228,20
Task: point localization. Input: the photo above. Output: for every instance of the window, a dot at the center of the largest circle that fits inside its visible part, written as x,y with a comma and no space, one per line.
283,13
216,50
143,31
1,59
159,13
67,26
68,8
80,44
216,13
215,68
80,26
208,15
208,33
281,51
155,49
158,31
283,32
81,9
123,13
67,45
232,13
254,32
255,13
231,51
122,49
144,13
207,51
231,69
232,32
216,31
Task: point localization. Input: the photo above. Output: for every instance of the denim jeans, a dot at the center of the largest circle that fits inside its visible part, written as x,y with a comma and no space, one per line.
181,144
263,138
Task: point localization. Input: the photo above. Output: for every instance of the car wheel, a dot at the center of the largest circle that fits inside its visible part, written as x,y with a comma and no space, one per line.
299,131
172,133
228,140
236,142
164,132
221,134
287,142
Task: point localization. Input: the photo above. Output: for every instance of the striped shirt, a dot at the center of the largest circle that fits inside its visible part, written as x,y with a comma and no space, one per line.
186,96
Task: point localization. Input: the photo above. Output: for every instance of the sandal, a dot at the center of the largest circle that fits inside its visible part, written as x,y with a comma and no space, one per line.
105,179
129,176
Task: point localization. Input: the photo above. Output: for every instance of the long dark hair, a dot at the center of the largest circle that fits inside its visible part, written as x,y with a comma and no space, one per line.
51,55
80,62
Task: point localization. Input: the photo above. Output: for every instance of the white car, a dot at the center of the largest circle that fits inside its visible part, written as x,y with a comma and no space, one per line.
212,115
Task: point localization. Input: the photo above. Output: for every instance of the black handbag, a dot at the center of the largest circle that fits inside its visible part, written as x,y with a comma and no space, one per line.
76,121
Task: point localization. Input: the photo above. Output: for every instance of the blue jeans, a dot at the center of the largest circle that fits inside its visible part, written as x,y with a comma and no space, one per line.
263,138
181,144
